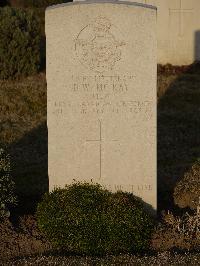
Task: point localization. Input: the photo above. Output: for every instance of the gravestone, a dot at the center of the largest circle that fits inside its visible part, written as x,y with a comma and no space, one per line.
101,78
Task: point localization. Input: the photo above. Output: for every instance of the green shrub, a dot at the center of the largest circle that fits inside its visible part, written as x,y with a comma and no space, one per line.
45,3
36,3
7,196
20,43
87,219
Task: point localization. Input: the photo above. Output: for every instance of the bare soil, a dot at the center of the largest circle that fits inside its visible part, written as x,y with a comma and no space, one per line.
164,258
23,239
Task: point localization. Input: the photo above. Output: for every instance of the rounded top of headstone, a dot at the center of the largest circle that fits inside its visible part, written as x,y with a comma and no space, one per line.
85,2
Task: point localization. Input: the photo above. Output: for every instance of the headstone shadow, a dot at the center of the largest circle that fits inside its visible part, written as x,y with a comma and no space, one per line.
178,132
197,46
30,167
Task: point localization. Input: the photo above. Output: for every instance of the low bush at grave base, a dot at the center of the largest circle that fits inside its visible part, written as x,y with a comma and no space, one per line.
7,195
20,36
86,219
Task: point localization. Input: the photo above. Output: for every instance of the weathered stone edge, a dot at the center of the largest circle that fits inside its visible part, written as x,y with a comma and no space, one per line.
101,2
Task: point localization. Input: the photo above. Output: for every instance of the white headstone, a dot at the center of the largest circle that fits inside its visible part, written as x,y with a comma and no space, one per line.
101,77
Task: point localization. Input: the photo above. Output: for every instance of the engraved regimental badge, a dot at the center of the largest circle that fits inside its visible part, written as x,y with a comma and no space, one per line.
97,46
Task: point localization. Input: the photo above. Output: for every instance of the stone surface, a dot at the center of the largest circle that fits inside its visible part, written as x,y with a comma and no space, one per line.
178,27
178,31
101,78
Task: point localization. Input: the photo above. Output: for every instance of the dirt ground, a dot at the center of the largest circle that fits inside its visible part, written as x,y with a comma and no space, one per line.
165,258
23,244
21,239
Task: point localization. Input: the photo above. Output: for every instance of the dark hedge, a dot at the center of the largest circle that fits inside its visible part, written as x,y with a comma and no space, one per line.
36,3
20,35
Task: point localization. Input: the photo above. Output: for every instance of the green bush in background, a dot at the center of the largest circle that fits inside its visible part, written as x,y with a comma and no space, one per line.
35,3
20,35
87,219
7,195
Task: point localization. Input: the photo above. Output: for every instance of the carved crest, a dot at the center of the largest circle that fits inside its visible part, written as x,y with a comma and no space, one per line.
97,46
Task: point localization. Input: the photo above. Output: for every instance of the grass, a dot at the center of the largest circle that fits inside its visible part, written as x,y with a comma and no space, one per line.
23,107
24,131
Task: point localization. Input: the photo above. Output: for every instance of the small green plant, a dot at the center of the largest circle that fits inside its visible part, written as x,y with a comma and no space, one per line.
87,219
7,196
20,36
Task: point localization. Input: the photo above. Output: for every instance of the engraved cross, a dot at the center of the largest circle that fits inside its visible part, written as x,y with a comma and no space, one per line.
181,11
100,140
